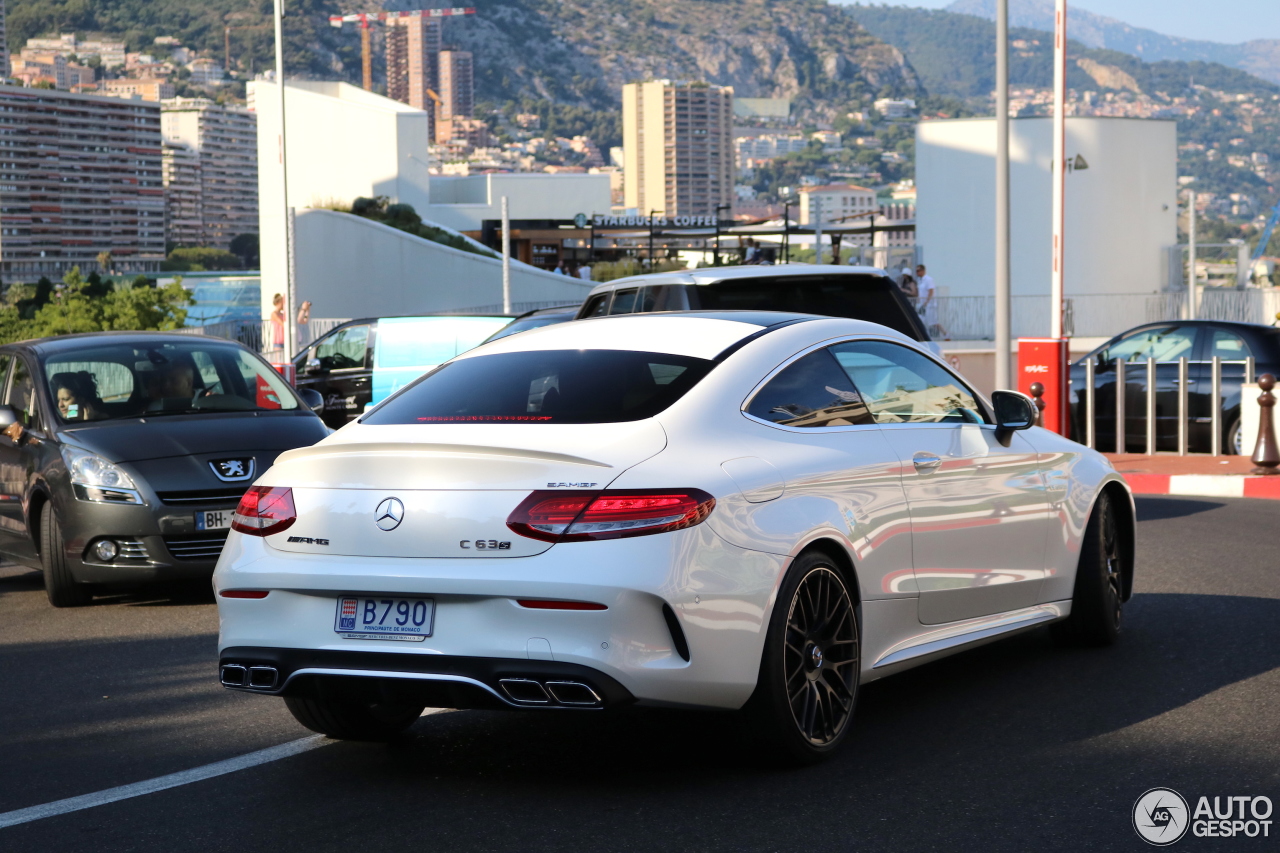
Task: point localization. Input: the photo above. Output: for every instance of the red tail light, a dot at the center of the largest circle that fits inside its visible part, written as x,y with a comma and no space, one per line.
582,516
244,593
265,510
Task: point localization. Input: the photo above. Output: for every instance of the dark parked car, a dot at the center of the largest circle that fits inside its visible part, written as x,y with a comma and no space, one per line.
124,454
861,293
536,319
1196,340
364,361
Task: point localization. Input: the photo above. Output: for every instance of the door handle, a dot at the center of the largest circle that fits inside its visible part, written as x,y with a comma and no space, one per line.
926,461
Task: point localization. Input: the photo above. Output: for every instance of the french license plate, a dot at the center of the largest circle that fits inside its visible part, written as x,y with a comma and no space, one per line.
384,618
219,519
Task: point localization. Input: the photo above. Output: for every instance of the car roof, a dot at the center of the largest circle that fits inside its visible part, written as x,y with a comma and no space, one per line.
429,317
698,334
550,312
718,275
63,343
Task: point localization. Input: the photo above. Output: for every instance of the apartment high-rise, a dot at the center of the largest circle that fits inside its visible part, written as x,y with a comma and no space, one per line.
183,196
79,175
4,45
457,91
678,147
225,141
413,50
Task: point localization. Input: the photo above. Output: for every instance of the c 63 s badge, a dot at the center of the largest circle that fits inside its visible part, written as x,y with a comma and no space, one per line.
307,540
484,545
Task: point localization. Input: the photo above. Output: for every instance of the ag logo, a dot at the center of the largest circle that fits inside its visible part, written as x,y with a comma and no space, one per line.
1160,817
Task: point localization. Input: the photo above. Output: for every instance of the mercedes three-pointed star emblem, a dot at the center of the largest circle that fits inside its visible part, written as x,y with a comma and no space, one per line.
389,514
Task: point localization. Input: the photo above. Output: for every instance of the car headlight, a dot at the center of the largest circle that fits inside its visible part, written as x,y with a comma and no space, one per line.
96,479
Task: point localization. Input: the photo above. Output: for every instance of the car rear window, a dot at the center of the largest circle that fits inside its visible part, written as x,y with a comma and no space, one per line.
552,386
873,298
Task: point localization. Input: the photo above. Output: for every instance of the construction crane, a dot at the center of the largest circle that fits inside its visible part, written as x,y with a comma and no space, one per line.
366,18
1265,237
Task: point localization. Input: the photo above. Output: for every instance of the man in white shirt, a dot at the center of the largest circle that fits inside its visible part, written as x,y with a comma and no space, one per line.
584,272
928,304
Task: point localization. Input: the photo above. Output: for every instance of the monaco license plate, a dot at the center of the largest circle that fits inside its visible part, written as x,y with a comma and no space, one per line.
219,519
362,617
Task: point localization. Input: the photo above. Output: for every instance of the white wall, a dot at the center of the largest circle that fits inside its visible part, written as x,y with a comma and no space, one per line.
344,143
463,203
1120,212
348,266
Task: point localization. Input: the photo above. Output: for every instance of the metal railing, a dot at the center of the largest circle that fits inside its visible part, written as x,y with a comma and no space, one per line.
1183,383
972,318
258,335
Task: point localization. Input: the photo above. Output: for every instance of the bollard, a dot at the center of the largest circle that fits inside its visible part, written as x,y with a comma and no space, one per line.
1037,397
1266,454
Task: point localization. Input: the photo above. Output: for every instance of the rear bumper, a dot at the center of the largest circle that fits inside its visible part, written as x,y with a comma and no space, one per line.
658,590
436,681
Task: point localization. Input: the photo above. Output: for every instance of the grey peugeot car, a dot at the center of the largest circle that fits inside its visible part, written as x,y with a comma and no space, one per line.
123,455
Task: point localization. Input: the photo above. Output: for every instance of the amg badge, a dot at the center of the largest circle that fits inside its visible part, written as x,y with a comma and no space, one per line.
308,540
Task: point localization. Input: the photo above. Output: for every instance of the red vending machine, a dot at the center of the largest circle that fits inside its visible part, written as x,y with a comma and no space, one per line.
1045,360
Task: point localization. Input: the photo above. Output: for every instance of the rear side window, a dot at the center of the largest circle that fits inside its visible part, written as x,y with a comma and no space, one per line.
901,386
811,392
624,301
555,386
344,349
861,297
596,305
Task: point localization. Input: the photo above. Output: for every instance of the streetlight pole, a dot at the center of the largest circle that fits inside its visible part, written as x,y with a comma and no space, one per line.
1059,166
815,213
786,232
506,256
1004,330
716,256
1191,255
652,215
290,300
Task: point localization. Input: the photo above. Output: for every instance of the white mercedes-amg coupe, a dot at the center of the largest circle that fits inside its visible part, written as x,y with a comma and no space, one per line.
733,510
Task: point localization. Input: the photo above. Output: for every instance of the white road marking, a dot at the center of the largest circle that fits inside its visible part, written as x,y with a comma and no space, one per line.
173,780
1206,485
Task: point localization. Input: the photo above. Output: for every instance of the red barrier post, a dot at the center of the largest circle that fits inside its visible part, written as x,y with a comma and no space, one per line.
1044,361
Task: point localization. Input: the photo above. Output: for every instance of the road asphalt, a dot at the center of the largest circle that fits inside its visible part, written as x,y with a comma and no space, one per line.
1019,745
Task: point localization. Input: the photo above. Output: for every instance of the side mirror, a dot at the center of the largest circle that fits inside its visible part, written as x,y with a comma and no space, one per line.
313,365
8,417
313,399
1014,410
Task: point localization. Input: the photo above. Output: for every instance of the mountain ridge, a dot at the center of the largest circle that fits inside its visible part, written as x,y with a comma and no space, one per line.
1260,57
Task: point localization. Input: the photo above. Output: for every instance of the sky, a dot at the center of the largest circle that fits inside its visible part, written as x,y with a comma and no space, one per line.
1229,21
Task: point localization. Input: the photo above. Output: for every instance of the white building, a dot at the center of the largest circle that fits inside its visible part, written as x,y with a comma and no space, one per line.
891,108
345,143
1121,204
767,146
833,203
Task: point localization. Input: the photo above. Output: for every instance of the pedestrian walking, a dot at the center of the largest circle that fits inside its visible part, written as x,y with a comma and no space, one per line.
928,301
753,252
584,272
909,289
277,321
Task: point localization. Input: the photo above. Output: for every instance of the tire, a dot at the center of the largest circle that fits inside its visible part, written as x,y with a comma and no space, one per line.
1098,600
1235,440
62,589
352,719
809,672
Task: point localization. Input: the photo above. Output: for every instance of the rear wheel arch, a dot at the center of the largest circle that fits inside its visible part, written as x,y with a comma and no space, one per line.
839,555
1122,504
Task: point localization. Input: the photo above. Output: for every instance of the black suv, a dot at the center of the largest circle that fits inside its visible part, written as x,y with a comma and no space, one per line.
860,293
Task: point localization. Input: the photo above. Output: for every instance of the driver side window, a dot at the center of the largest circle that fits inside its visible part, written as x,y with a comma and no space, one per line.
1166,343
344,349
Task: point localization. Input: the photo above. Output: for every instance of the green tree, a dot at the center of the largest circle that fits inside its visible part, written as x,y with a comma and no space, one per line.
82,305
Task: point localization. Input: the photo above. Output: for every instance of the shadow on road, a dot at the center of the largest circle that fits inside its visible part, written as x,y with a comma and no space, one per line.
1159,508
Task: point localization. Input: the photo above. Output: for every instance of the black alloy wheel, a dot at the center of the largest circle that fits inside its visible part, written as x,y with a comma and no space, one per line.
62,589
809,674
1098,600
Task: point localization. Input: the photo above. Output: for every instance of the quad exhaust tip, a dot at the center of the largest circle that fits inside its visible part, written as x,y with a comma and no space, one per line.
526,691
253,677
